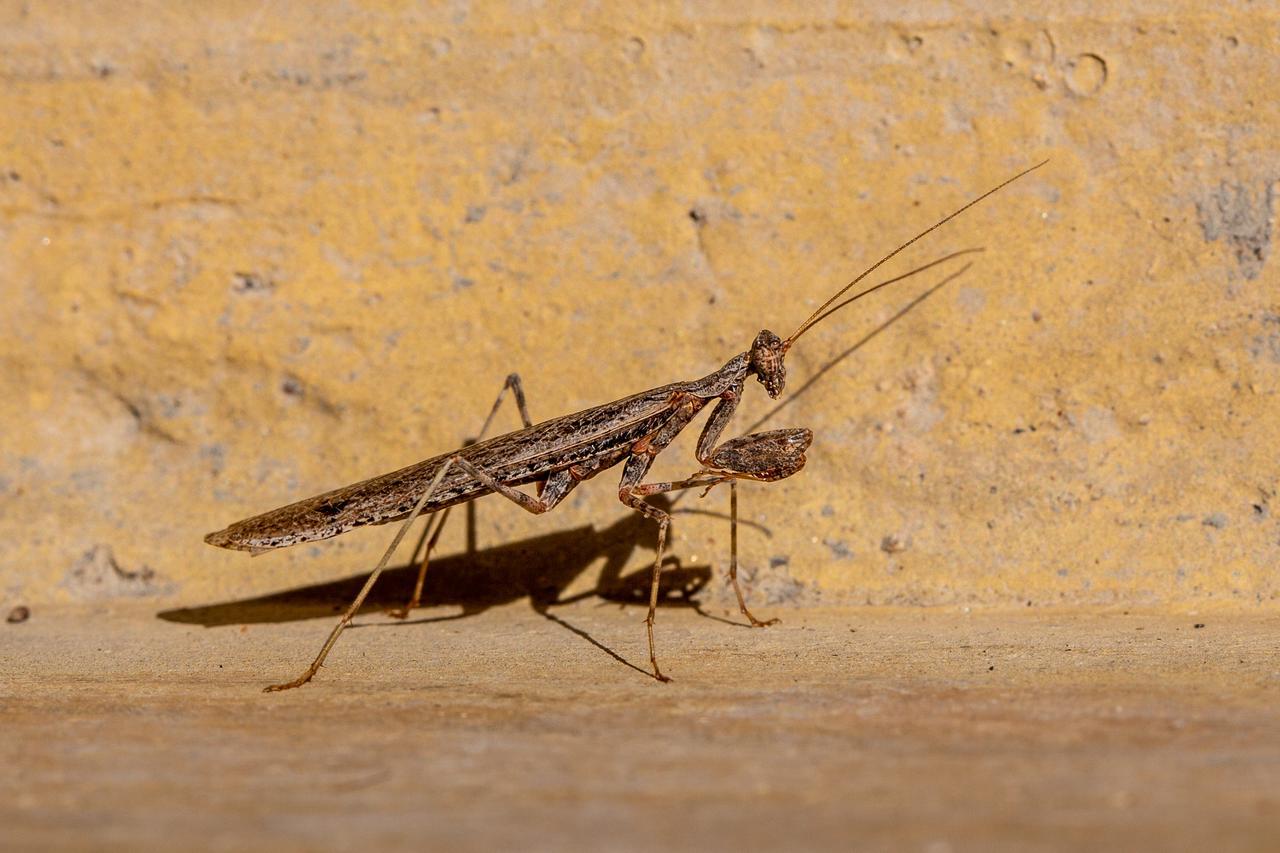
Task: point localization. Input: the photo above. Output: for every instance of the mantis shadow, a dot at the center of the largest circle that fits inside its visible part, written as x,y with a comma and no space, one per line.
539,568
832,363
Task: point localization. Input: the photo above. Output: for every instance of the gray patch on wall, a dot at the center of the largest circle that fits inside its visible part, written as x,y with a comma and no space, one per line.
98,576
1234,214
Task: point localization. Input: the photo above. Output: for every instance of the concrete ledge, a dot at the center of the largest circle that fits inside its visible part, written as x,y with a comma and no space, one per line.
881,728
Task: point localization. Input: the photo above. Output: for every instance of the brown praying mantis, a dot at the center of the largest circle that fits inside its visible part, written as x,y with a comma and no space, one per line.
558,454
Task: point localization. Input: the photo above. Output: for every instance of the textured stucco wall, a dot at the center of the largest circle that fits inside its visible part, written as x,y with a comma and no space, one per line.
252,251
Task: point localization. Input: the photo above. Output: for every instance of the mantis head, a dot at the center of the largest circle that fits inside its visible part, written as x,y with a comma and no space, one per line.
765,361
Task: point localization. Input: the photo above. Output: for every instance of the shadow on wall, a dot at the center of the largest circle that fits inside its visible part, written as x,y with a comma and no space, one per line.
539,568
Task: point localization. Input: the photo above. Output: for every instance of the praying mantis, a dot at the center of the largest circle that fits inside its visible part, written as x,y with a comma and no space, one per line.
558,454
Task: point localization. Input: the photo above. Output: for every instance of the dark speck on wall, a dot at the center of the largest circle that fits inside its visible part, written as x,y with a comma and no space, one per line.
839,548
252,282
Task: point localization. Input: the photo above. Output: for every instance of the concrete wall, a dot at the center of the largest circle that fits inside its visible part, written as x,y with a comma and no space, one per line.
253,251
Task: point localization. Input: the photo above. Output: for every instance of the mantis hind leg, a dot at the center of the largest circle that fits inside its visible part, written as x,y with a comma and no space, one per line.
431,535
512,382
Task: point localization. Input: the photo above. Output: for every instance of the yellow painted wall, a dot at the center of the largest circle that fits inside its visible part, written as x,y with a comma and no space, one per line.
252,251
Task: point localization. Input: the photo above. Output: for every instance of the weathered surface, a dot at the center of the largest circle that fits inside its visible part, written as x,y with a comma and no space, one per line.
865,728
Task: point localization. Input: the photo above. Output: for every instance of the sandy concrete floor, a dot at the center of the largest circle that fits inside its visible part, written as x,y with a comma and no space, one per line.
904,729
